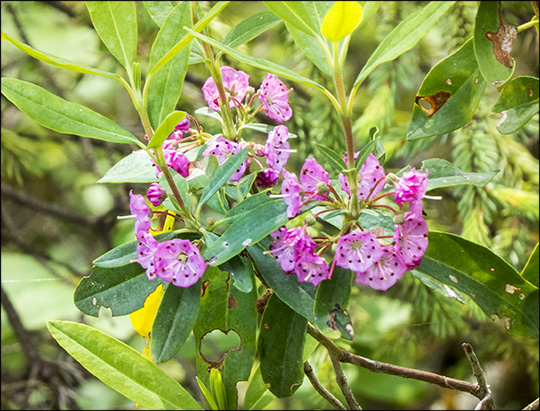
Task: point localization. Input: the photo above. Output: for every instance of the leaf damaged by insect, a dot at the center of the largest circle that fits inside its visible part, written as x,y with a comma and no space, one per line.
217,364
341,321
502,41
436,101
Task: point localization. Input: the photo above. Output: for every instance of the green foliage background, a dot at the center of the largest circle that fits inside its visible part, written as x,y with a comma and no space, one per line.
56,219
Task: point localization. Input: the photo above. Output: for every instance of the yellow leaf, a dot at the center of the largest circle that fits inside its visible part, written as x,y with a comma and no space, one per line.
341,20
143,319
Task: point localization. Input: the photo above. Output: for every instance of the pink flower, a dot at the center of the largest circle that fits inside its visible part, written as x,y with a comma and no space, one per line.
183,126
141,211
290,246
180,262
235,84
384,273
277,148
411,239
411,187
174,159
275,99
368,178
292,193
312,174
267,178
224,149
156,194
146,247
311,268
358,251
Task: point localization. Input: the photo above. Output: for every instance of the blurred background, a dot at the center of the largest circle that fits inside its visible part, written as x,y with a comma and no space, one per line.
55,218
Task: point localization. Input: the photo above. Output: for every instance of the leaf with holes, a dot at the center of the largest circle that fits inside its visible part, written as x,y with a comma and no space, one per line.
452,89
491,283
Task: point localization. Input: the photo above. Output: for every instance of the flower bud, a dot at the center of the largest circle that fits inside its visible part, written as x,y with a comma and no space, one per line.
322,187
211,220
399,219
309,220
391,179
259,150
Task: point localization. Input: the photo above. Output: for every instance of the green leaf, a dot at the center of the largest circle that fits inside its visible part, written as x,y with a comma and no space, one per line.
134,168
261,63
247,205
250,28
257,394
404,37
333,158
493,284
341,20
453,88
246,231
241,270
531,270
201,24
181,184
222,175
263,128
487,24
122,289
63,116
116,25
299,296
166,128
280,347
59,61
239,190
364,153
121,367
369,8
311,48
299,14
518,103
165,86
174,320
226,308
442,289
444,174
159,10
332,294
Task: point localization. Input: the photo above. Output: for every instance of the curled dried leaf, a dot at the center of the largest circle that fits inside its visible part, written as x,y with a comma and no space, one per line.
436,101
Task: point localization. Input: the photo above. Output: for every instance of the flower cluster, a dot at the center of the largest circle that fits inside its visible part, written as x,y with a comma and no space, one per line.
176,261
376,261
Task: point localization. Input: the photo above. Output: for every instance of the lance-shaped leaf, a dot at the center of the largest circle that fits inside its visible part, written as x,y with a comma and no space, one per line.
333,158
531,270
59,61
518,103
122,289
63,116
442,173
452,89
250,28
226,308
222,176
301,15
299,296
134,168
341,20
404,37
121,367
261,63
332,298
247,205
159,10
165,86
493,284
166,128
174,320
116,25
241,270
280,347
493,42
246,231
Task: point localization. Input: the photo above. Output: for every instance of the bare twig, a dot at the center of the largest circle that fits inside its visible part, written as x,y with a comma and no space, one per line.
487,402
341,379
376,366
533,405
320,388
62,7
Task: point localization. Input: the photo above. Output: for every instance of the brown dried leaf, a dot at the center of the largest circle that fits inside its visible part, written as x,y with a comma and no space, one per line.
502,41
436,101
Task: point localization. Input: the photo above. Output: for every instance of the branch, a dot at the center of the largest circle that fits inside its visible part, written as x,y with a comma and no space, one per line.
320,389
487,400
341,379
376,366
533,405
